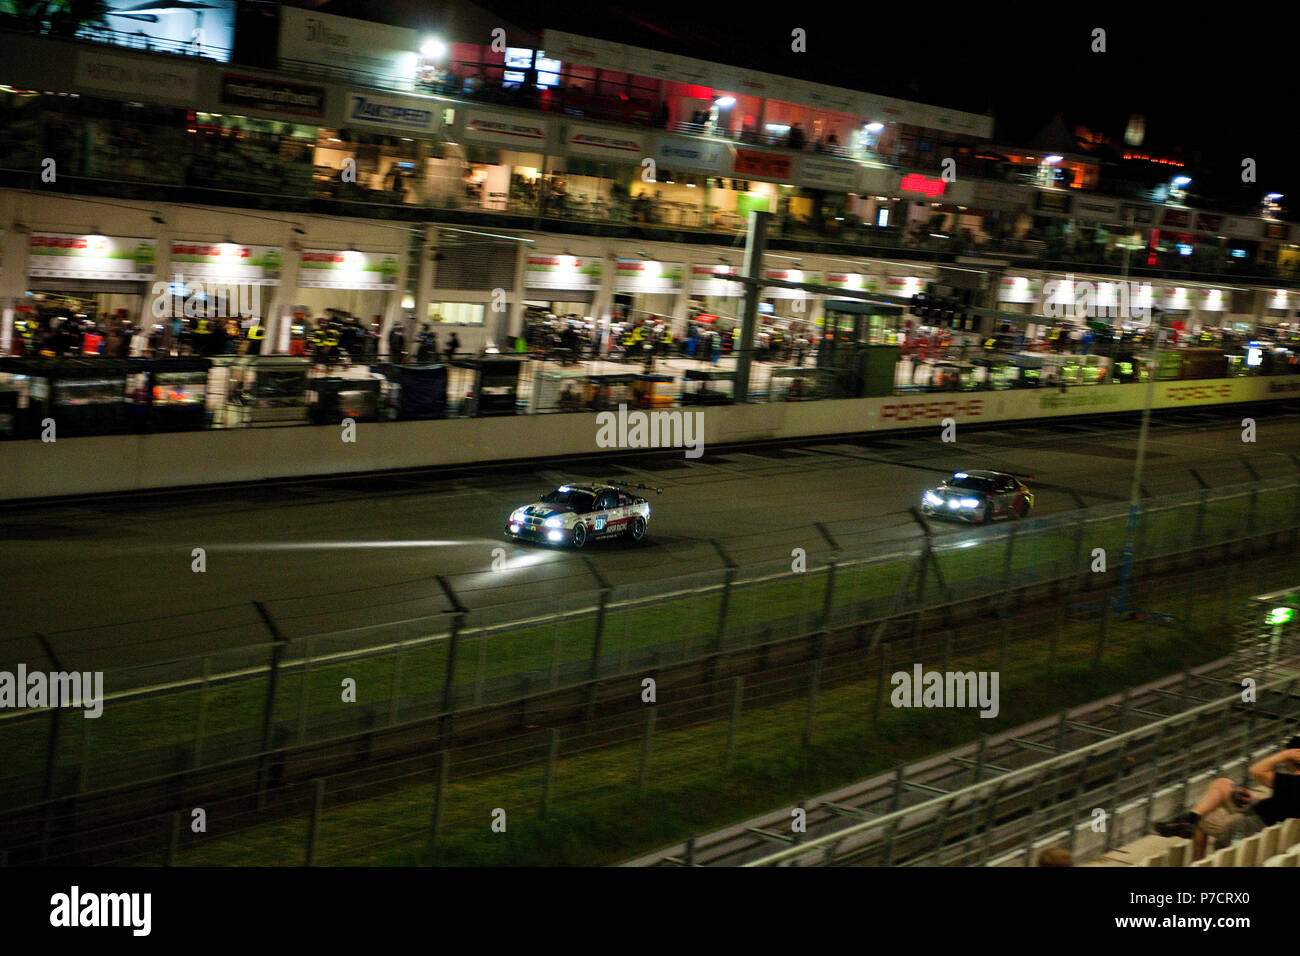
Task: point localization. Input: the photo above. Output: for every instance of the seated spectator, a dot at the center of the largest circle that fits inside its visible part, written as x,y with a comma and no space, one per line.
1230,813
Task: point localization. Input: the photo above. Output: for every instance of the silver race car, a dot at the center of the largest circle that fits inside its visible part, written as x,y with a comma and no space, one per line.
576,514
979,496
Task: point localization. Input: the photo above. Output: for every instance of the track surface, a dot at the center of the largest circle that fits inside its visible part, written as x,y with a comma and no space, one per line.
332,553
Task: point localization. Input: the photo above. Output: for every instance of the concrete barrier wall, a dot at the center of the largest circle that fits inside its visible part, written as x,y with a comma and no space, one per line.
79,466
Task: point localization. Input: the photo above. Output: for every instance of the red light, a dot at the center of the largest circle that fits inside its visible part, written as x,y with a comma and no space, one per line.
916,183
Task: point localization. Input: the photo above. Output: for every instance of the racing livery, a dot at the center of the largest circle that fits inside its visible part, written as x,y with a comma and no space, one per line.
979,496
576,514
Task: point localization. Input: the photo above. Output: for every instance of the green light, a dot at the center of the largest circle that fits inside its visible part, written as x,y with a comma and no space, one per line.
1281,615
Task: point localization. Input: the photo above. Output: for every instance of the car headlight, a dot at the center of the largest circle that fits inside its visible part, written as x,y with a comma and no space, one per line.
970,502
932,499
556,522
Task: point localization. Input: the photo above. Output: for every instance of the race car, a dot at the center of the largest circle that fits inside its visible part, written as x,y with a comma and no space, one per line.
575,514
979,496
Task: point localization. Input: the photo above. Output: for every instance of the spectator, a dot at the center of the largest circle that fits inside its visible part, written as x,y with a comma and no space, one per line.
396,344
1230,813
452,345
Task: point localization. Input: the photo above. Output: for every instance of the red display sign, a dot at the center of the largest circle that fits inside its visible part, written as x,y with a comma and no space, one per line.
916,183
767,165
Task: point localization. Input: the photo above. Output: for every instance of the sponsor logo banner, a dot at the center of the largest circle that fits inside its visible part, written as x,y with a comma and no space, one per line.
522,134
329,40
143,78
605,143
387,111
120,258
273,96
762,165
228,262
561,272
674,153
337,269
638,275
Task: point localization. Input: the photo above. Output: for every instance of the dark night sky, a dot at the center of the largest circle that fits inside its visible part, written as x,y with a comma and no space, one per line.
1217,85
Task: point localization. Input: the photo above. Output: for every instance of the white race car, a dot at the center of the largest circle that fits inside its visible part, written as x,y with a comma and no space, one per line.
575,514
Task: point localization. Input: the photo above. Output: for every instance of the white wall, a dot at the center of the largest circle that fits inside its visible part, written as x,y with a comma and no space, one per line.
33,469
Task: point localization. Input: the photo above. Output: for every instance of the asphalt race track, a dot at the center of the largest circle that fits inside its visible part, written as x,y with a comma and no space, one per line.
109,580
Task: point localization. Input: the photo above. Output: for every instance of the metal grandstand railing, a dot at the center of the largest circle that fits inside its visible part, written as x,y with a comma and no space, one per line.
1007,817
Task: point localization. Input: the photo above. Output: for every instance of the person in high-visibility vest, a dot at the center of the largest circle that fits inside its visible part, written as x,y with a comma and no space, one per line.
665,339
202,337
255,334
990,343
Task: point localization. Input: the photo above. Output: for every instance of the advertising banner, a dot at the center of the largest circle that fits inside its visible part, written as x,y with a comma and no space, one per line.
226,262
63,256
519,133
337,269
712,280
1093,209
307,36
617,145
154,80
903,286
648,276
789,275
390,112
673,152
853,280
826,174
749,162
273,96
574,273
1019,289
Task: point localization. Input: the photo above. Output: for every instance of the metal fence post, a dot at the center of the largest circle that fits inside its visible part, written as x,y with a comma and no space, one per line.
83,771
201,729
439,788
880,683
396,693
1006,566
737,699
814,678
272,685
173,838
1054,638
549,777
643,777
1075,575
313,827
459,611
829,597
598,639
724,608
304,701
1102,625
